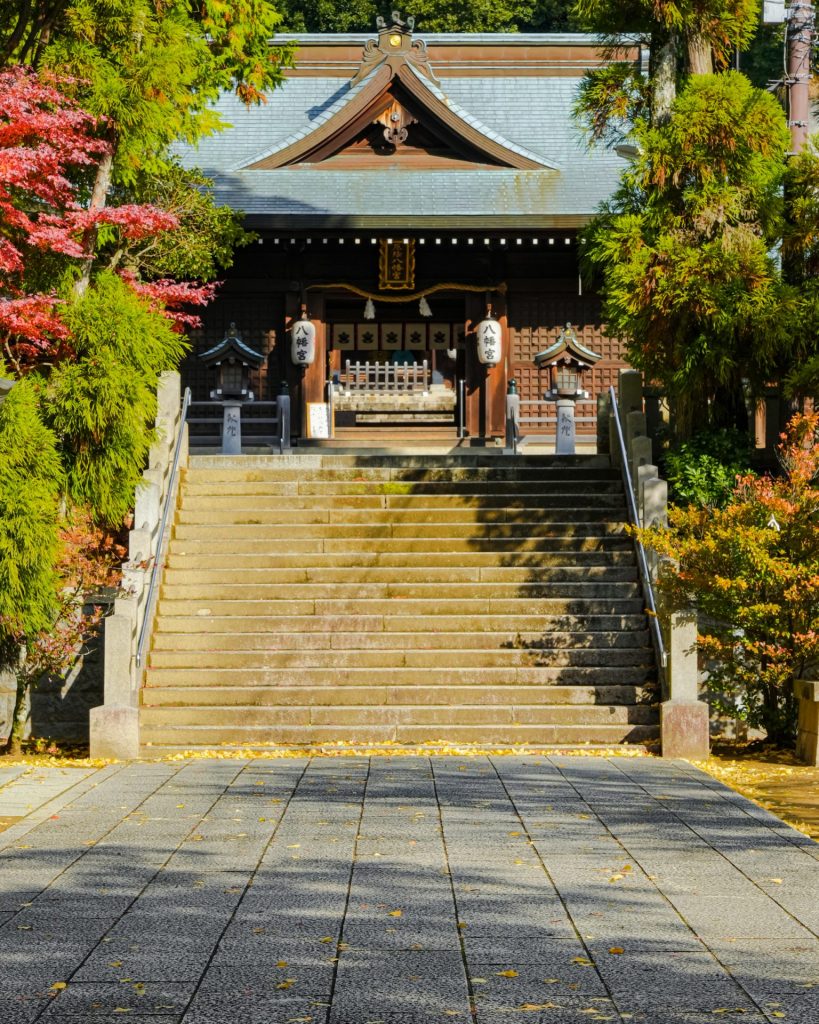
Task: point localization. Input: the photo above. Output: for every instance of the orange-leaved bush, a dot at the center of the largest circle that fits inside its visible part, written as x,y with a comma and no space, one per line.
751,571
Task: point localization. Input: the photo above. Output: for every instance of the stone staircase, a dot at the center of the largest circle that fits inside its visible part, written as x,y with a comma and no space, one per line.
463,598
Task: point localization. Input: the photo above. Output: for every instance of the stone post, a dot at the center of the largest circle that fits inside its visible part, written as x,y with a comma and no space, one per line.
614,444
642,475
512,421
565,438
283,410
807,737
655,502
629,393
684,719
635,426
603,412
232,429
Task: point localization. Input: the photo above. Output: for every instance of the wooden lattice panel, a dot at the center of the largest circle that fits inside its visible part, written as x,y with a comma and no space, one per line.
535,321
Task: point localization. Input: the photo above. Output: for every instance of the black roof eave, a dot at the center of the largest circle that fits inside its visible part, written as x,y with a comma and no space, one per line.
279,222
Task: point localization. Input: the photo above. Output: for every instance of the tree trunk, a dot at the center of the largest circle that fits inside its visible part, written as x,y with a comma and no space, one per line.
664,81
99,198
700,55
14,744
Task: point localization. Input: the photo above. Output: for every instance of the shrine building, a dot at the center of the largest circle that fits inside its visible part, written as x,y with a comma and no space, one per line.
401,186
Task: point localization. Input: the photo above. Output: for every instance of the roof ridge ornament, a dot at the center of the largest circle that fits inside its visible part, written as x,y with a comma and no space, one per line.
395,46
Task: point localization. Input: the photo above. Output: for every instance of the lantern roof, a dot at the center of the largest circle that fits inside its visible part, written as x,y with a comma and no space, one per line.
232,344
567,342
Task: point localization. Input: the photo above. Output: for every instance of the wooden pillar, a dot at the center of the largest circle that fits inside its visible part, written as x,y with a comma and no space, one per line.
485,385
306,383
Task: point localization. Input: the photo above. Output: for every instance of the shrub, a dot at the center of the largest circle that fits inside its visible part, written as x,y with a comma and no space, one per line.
704,470
751,571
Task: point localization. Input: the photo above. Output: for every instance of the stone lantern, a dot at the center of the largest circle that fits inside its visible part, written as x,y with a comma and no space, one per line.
232,360
566,360
490,339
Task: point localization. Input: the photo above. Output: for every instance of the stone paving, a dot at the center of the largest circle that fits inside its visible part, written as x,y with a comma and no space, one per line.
398,891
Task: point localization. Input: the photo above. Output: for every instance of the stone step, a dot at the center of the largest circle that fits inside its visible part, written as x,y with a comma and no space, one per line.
262,579
423,598
250,481
452,461
337,503
404,489
237,544
486,522
311,625
200,563
218,509
372,592
307,486
568,675
390,714
478,534
633,636
401,696
182,737
413,658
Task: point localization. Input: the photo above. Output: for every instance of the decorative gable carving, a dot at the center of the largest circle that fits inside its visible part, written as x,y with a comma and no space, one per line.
394,46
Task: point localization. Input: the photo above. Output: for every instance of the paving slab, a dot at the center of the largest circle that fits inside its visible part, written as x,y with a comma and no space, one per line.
471,890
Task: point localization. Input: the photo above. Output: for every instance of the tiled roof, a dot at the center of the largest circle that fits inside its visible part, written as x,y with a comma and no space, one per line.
533,114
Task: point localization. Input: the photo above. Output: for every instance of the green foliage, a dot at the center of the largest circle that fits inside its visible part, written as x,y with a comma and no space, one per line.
30,479
704,470
204,242
152,69
102,404
751,570
684,250
431,15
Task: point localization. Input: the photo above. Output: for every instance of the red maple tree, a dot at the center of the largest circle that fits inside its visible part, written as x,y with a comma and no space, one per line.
46,142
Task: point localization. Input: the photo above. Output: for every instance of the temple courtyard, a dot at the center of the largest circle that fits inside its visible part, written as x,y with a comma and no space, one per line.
443,890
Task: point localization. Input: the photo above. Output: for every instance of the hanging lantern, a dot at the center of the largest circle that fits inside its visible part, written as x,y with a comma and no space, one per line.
303,340
490,340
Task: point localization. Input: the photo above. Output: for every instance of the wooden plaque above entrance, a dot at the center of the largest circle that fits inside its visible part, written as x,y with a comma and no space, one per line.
396,265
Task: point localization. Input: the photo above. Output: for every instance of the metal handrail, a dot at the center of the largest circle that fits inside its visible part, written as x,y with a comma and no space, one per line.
163,522
642,561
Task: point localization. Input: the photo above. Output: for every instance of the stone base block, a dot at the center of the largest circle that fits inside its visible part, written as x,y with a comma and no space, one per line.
807,738
684,729
114,732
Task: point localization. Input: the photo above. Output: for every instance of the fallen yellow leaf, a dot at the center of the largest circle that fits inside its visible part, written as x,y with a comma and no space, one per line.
395,913
58,986
507,974
616,950
282,963
582,961
287,983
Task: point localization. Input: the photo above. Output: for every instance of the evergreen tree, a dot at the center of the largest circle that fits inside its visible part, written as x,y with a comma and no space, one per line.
102,403
30,481
684,249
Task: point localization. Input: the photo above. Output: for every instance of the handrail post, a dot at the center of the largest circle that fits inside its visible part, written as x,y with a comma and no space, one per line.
642,564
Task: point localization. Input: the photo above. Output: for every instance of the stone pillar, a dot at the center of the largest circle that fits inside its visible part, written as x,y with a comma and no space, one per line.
655,502
232,429
684,719
634,426
640,453
614,443
147,507
565,437
642,475
629,393
512,422
603,412
807,737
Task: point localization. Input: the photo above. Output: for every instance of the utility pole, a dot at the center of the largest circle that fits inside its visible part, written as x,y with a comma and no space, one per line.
800,32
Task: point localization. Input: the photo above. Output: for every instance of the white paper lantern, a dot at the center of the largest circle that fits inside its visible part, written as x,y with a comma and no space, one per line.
303,341
490,340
